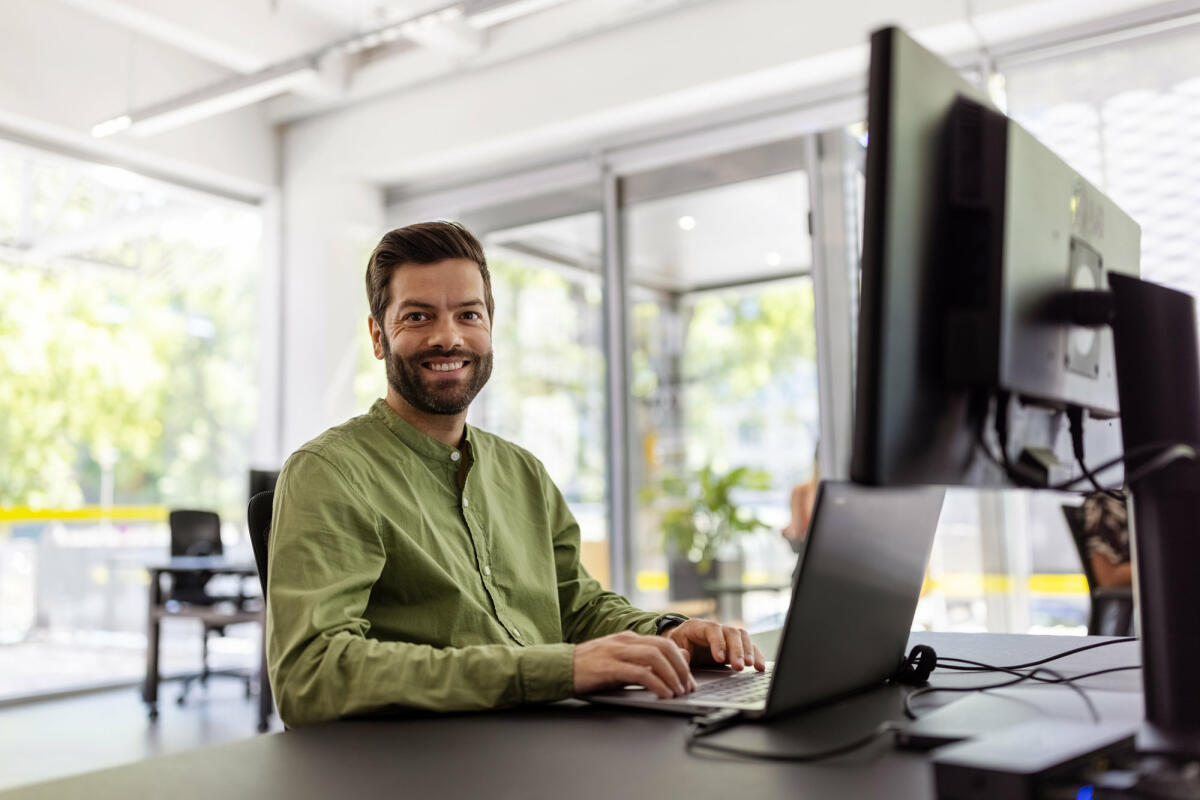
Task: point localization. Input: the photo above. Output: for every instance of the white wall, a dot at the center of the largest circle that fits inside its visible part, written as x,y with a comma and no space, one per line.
331,222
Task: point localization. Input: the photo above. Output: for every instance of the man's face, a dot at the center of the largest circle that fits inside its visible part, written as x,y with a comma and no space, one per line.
436,340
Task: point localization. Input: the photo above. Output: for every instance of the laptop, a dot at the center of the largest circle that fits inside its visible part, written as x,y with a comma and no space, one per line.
853,600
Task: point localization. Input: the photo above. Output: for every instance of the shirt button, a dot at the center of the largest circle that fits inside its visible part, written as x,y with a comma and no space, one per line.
487,570
466,503
455,456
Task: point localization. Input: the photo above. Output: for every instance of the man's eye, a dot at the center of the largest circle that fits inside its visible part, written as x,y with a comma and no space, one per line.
415,316
471,314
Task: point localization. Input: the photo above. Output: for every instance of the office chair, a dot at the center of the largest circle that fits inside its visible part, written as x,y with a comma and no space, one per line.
1112,607
198,533
258,517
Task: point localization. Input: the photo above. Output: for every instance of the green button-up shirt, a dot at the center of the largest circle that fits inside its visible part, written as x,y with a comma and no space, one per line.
406,573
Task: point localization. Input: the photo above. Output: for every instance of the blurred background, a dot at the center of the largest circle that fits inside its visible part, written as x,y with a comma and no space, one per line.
670,197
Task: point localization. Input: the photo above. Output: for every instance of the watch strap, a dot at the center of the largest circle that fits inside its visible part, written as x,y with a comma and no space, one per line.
668,621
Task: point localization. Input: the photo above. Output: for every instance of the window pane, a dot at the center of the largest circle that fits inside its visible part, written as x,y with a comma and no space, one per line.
129,353
724,388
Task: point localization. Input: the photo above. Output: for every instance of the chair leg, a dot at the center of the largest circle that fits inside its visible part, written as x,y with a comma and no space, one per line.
204,658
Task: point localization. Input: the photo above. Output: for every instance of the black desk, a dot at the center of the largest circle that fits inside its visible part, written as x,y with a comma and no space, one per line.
576,750
159,608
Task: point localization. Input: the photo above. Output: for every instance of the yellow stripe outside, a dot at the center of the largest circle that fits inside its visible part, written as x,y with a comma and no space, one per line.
85,514
961,584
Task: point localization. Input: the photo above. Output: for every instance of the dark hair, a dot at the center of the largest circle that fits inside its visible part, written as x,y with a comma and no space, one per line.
422,243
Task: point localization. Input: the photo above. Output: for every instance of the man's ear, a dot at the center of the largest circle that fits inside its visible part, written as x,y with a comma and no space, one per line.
376,337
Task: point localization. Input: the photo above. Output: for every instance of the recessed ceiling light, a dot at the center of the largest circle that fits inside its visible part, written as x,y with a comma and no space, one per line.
686,223
774,259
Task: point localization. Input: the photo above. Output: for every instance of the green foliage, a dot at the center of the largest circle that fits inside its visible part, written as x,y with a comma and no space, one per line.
742,340
154,375
704,516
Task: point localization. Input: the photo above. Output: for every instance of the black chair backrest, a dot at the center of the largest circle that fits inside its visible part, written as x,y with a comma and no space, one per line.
258,517
195,533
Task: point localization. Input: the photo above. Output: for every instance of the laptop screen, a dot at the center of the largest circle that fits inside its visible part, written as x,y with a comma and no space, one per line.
855,592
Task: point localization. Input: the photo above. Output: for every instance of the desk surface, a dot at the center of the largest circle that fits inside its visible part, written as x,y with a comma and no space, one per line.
577,750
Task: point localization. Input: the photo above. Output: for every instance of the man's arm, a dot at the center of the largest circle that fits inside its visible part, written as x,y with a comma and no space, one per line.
606,623
586,609
325,557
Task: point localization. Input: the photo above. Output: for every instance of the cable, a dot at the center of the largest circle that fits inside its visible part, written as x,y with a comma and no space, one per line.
1164,453
978,666
1075,417
695,742
1022,677
1174,453
1047,659
1032,676
1161,454
1018,473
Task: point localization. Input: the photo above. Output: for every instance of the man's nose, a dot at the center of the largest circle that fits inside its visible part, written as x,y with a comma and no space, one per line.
445,334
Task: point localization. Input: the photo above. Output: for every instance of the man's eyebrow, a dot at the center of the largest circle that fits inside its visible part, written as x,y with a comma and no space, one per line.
423,304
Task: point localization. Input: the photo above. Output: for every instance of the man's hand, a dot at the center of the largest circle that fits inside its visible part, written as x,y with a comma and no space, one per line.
612,661
711,644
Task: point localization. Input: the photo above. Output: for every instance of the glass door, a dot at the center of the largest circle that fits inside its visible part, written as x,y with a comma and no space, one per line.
723,376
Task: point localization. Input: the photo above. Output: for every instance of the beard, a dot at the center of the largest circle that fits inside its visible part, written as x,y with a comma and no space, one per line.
420,387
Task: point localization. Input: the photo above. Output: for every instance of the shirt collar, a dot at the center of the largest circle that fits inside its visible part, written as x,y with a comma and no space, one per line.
419,442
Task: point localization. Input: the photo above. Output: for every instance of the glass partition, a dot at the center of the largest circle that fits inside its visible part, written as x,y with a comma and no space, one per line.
129,350
723,382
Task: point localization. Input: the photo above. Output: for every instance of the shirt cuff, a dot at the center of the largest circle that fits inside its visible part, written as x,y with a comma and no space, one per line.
547,672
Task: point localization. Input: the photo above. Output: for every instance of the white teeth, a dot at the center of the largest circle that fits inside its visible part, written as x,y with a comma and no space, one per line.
446,367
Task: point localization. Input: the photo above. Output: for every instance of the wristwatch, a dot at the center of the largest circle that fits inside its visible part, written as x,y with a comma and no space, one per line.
668,621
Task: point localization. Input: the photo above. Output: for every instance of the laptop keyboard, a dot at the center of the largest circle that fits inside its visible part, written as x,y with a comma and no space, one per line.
750,689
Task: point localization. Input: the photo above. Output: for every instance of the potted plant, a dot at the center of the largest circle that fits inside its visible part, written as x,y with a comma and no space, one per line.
704,523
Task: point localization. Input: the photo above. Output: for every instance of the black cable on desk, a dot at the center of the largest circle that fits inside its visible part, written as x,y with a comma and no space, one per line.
1022,677
1040,661
695,742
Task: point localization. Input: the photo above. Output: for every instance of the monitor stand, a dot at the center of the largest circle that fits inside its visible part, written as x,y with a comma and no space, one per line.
1158,383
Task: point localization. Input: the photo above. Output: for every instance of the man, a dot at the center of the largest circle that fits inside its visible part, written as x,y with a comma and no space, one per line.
418,562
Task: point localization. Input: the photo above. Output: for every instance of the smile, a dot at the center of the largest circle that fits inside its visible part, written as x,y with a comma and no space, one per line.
446,366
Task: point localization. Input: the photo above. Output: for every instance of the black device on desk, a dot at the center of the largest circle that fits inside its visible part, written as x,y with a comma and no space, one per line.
1003,329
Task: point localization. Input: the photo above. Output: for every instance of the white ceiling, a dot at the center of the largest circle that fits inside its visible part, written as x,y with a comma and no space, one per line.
352,43
531,80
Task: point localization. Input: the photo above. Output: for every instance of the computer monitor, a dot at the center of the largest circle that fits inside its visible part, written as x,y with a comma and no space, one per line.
1000,308
975,234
